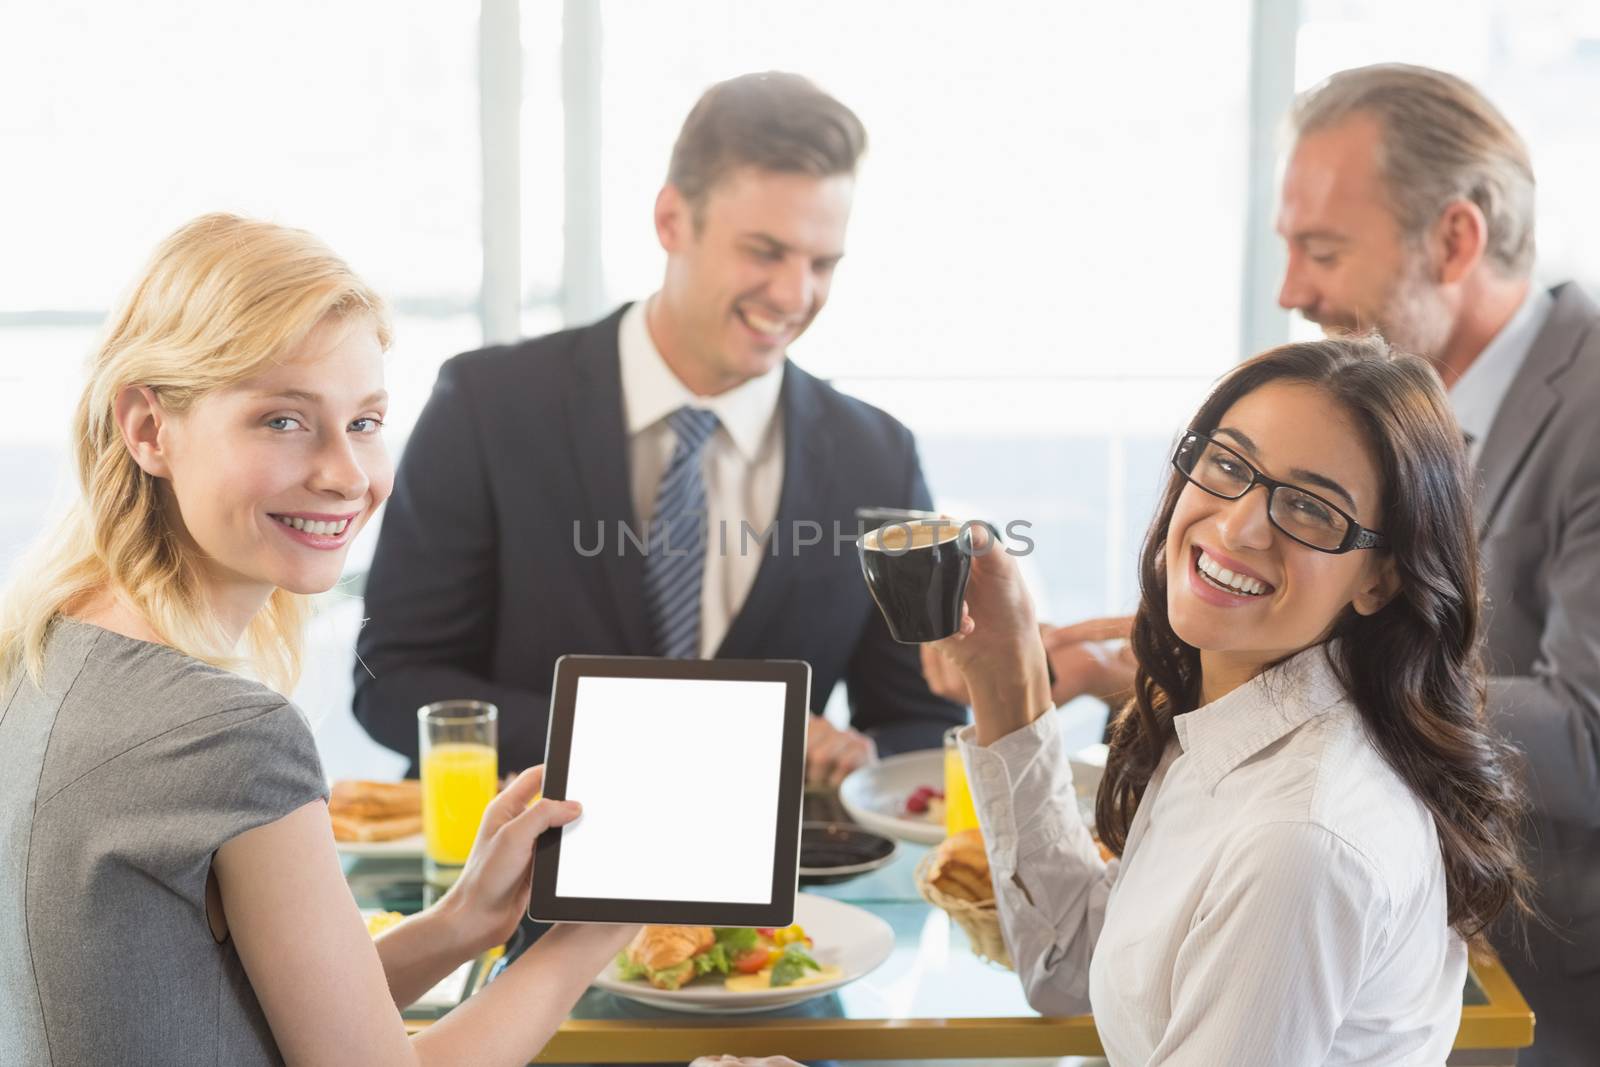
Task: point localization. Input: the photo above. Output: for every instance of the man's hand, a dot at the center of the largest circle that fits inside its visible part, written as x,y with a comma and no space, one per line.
831,753
1090,658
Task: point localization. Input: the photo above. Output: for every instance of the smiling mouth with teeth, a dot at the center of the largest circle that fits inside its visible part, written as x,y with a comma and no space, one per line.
761,324
318,529
1217,575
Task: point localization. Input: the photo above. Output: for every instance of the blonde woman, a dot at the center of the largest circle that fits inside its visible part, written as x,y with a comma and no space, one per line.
169,890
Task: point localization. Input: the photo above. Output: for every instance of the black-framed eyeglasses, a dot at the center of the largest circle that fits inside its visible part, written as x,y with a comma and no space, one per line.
1304,516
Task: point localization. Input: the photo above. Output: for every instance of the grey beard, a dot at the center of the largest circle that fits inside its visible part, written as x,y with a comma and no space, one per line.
1413,320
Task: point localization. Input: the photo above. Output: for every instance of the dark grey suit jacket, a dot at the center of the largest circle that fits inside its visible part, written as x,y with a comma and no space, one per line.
1539,518
485,573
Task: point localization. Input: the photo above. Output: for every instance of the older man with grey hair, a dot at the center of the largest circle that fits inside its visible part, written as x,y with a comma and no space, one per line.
1408,207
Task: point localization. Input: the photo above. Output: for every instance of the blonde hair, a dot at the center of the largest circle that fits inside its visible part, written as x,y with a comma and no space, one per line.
221,298
1441,141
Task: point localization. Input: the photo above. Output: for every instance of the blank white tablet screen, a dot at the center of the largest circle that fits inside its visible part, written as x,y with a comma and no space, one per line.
678,779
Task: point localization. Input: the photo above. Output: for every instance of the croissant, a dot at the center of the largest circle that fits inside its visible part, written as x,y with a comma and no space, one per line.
660,947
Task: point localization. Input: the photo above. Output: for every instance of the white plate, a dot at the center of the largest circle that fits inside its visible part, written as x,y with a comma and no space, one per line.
400,848
875,795
843,935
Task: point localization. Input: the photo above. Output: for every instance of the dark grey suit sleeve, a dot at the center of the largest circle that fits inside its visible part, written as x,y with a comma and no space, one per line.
433,587
1554,713
889,699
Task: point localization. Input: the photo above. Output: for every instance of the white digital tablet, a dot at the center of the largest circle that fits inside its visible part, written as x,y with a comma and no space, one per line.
691,774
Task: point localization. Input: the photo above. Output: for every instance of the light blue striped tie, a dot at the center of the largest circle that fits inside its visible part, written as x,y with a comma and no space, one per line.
676,559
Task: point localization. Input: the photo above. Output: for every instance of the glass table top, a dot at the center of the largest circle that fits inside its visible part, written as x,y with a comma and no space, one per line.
931,973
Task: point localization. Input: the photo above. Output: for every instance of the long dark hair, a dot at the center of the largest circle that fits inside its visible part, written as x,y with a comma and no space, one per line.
1414,669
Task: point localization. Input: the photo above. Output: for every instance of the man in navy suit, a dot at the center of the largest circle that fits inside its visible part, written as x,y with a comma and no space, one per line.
538,470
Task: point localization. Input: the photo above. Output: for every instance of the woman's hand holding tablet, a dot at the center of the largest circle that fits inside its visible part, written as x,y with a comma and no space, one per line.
488,896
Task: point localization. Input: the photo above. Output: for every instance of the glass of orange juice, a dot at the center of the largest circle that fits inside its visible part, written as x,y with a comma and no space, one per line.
959,814
460,775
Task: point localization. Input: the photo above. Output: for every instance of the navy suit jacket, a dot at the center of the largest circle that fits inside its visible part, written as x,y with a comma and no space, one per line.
486,570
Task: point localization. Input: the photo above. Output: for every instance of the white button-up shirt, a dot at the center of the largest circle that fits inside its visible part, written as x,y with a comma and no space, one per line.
742,464
1477,394
1280,900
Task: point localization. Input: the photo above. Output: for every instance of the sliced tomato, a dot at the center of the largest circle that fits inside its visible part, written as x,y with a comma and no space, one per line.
750,961
766,931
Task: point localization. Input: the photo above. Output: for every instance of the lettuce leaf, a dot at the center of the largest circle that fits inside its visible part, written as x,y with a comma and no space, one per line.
792,965
627,968
714,958
737,939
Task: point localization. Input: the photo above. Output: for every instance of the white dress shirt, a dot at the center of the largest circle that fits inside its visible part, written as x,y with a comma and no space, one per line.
1476,395
742,464
1281,899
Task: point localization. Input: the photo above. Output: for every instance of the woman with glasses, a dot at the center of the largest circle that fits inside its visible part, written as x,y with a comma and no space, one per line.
1308,818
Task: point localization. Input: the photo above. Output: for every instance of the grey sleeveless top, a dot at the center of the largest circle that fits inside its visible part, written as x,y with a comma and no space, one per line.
118,780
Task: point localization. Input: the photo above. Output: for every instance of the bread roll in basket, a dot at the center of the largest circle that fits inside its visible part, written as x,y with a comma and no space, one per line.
955,878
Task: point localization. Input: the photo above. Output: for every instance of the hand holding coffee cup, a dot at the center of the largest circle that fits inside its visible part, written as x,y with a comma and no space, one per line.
996,643
996,618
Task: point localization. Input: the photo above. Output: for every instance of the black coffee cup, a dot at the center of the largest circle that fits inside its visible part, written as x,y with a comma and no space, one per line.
917,573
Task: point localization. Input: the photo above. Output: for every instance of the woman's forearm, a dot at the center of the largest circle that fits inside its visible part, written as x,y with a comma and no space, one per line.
420,951
516,1015
1007,696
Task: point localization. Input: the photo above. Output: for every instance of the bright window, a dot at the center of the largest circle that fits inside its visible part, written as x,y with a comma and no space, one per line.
356,121
1045,257
1538,63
